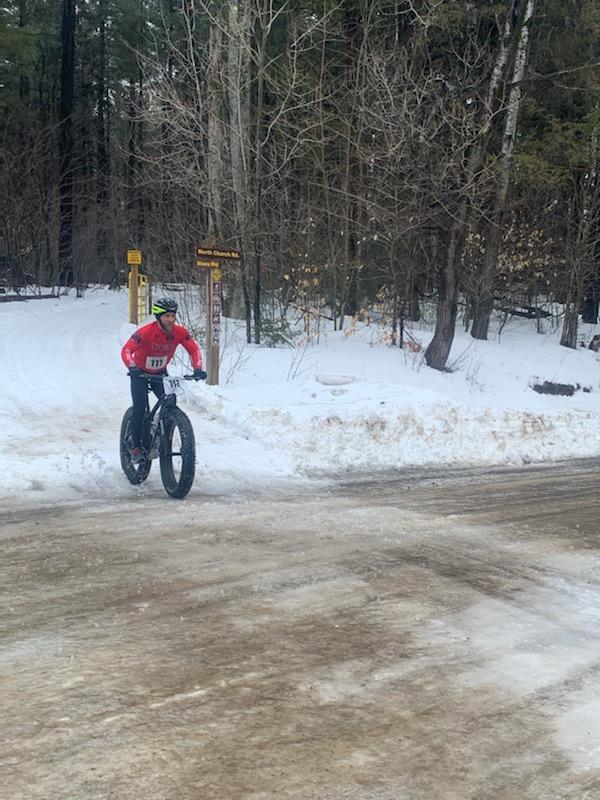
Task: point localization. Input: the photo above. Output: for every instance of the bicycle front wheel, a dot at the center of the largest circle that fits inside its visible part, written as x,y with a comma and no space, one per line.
136,473
177,453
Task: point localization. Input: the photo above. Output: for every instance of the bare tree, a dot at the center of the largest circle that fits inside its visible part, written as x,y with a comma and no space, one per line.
583,239
484,73
485,303
65,241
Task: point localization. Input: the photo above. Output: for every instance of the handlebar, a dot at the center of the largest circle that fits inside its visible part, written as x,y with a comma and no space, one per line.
154,376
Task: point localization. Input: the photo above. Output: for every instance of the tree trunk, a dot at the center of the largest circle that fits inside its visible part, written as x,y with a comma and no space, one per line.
353,36
215,136
65,180
591,302
258,167
24,89
237,63
570,325
102,148
324,175
485,306
436,355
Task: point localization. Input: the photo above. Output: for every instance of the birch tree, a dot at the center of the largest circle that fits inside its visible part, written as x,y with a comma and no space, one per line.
493,234
474,131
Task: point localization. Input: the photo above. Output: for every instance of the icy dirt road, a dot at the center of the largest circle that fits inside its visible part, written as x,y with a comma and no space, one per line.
404,639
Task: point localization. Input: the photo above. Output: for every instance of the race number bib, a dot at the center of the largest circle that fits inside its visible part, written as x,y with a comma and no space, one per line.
156,362
172,385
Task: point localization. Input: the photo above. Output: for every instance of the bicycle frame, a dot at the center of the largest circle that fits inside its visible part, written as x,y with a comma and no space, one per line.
151,427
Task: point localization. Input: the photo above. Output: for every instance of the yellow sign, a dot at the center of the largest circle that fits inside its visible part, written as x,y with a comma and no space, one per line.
217,274
134,256
209,264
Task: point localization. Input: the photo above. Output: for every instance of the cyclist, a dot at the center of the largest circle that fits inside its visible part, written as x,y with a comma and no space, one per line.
149,350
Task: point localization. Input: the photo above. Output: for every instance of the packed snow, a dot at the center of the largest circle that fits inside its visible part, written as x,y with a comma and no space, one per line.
340,403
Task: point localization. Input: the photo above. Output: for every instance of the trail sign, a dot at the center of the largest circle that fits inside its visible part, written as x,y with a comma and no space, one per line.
138,287
211,259
134,257
218,252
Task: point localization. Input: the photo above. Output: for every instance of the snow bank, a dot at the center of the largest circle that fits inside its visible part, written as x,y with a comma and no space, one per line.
348,403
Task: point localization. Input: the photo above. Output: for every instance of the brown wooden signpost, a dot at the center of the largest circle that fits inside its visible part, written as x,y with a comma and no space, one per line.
211,259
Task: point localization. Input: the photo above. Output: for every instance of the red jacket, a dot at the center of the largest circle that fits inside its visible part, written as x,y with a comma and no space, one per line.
150,349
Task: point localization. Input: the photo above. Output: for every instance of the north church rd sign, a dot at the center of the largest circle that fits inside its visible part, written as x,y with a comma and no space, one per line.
207,256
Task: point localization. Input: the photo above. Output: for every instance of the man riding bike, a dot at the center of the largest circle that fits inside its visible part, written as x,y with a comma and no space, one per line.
149,350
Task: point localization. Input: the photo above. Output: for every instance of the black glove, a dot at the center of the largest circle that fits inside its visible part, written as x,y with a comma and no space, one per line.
135,372
199,374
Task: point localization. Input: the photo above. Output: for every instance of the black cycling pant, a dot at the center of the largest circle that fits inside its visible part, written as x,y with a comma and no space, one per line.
139,395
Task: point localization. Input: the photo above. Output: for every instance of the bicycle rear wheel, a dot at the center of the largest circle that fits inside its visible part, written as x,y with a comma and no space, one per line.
136,473
177,453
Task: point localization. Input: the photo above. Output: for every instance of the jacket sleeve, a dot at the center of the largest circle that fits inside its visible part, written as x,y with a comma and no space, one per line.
193,348
129,348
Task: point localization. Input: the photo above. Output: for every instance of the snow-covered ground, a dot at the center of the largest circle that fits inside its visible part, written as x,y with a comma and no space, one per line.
347,403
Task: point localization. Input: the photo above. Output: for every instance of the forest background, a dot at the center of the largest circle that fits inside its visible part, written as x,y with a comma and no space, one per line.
381,154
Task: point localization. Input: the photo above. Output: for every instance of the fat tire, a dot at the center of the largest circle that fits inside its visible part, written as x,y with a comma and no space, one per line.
178,487
136,473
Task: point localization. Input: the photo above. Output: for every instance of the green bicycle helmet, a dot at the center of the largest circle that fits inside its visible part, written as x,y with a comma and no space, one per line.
162,306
